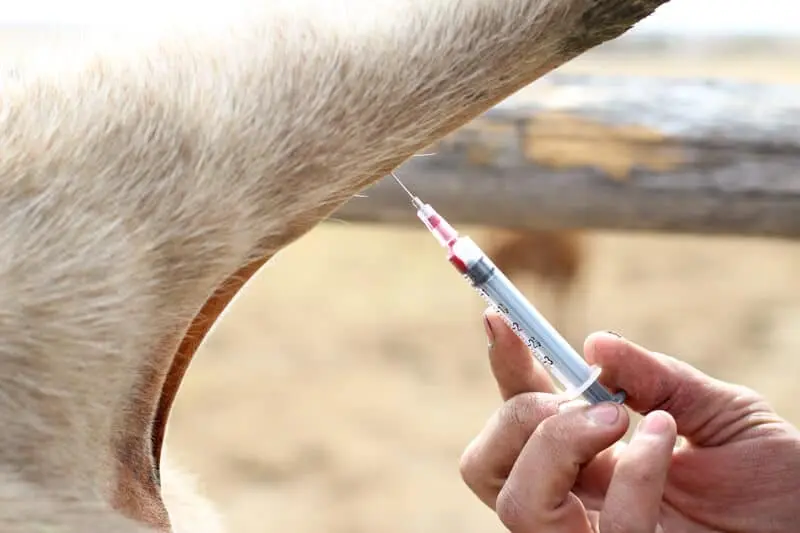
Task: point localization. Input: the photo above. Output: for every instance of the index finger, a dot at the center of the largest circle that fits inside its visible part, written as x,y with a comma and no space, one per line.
513,365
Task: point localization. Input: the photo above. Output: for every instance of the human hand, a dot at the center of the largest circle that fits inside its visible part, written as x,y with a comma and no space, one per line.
549,467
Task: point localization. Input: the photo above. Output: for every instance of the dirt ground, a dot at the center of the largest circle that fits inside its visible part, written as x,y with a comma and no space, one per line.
337,394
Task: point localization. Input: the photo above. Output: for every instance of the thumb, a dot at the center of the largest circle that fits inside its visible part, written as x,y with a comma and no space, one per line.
707,411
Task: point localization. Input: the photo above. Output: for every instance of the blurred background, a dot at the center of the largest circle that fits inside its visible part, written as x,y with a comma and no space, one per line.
337,393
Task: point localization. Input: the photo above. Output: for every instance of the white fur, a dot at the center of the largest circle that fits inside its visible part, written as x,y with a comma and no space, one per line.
135,179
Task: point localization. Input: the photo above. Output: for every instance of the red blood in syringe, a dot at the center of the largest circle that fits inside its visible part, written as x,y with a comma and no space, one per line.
444,233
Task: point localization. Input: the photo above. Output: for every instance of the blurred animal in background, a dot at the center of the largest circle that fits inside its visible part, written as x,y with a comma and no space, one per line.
554,261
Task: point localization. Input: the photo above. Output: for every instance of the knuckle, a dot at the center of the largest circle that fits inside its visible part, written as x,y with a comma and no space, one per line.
744,394
520,410
551,434
479,477
469,466
512,513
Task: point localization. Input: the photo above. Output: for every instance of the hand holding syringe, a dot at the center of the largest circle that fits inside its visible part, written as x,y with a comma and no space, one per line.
548,346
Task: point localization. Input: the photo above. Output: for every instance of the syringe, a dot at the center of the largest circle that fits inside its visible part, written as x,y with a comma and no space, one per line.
559,358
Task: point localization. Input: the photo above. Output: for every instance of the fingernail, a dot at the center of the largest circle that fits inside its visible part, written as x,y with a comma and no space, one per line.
489,332
654,423
487,324
614,333
605,414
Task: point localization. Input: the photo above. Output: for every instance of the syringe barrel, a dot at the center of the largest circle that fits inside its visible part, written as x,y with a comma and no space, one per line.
547,345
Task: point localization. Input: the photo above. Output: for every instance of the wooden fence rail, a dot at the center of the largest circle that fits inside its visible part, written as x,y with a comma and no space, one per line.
621,153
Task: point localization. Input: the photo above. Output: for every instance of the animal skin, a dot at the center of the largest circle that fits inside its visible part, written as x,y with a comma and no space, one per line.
142,184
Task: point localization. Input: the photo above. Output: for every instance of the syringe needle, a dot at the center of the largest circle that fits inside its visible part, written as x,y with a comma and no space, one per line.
402,185
416,202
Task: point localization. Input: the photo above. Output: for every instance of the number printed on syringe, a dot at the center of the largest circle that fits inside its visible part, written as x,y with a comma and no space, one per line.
530,341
